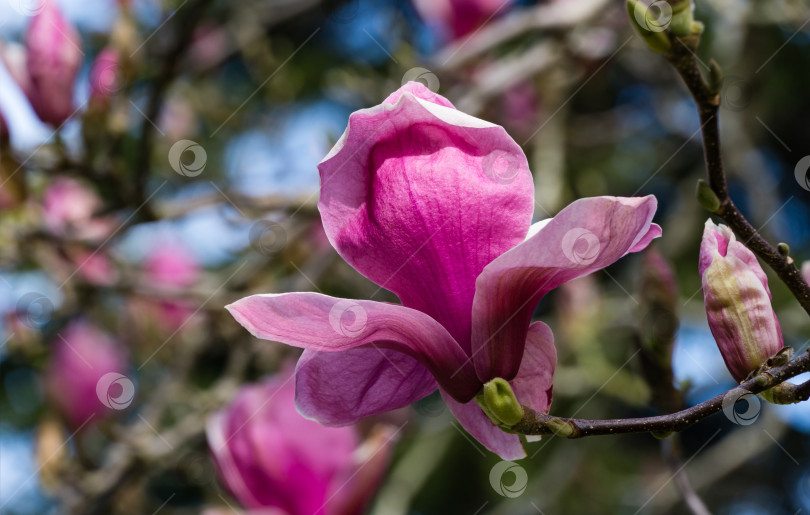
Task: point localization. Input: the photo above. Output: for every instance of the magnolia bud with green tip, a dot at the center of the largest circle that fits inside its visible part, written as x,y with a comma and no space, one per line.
707,197
560,427
651,28
738,302
783,249
501,403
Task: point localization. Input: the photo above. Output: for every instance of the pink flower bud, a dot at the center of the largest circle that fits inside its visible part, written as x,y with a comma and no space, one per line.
53,58
85,377
269,456
738,302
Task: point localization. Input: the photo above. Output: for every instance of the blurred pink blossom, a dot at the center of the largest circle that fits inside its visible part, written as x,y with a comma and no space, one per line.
69,209
105,76
273,460
460,17
806,271
83,356
53,56
170,265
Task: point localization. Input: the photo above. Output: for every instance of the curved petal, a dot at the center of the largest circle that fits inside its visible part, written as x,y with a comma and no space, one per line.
419,197
533,383
586,236
322,323
338,389
480,427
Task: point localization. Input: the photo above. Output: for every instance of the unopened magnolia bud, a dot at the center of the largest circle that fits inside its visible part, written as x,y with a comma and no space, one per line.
738,302
682,19
715,82
501,403
707,197
783,249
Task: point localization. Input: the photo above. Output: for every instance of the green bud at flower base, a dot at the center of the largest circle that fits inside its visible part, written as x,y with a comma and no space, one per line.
707,197
499,402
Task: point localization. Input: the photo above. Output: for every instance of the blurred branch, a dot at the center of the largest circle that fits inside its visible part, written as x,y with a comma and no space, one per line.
671,449
534,423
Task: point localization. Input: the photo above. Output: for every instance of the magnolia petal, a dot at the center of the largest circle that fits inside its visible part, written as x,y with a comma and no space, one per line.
337,389
480,427
533,383
586,236
322,323
419,197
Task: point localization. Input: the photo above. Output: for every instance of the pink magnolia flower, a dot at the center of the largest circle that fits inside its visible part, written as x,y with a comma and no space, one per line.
436,205
53,57
85,377
460,17
738,302
275,461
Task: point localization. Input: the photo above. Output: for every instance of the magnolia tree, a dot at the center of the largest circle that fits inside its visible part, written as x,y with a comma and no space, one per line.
208,310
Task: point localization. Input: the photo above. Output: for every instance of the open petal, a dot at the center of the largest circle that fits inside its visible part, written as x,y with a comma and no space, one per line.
586,236
533,383
505,445
322,323
337,389
419,197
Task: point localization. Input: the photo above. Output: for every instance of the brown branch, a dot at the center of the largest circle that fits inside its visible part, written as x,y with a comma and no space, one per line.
684,60
534,423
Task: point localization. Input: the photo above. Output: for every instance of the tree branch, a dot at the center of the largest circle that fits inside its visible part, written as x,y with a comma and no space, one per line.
685,61
534,423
